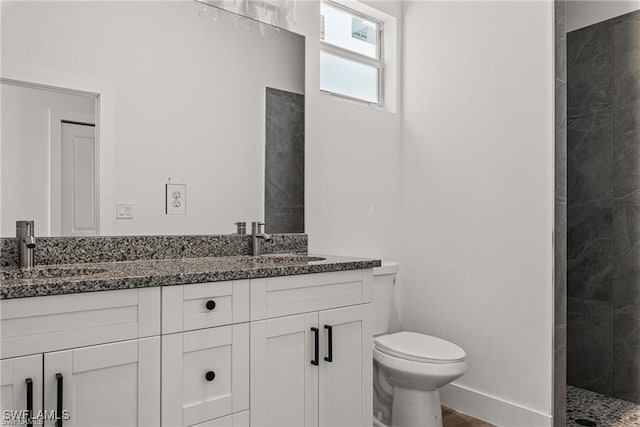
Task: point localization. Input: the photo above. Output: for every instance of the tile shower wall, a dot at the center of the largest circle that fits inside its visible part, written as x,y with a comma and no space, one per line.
560,219
284,162
603,216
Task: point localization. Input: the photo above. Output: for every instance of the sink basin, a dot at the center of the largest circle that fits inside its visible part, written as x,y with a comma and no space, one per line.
284,259
50,272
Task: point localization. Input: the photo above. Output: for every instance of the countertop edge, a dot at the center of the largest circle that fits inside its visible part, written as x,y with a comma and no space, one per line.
29,290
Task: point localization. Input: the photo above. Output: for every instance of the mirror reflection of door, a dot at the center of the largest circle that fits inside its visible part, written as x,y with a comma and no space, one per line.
49,161
77,183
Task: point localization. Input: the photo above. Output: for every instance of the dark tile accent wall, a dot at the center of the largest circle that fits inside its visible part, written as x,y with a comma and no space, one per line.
603,217
560,220
590,344
626,215
284,162
70,250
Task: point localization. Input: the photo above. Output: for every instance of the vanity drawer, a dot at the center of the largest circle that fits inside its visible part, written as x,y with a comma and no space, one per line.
282,296
204,305
41,324
205,374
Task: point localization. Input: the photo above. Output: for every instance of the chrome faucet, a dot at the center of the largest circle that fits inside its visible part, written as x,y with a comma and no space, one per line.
26,243
257,235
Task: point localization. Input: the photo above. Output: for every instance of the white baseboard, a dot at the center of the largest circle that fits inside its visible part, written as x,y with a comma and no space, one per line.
492,409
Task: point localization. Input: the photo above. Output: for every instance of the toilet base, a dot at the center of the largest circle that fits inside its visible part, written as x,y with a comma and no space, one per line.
413,408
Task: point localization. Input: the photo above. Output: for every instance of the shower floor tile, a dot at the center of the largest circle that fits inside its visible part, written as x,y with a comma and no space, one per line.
605,411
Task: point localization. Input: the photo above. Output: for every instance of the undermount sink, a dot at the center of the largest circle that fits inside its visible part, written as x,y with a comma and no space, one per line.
284,259
50,272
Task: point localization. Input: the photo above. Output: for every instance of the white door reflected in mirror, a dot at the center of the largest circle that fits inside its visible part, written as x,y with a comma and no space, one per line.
49,160
78,181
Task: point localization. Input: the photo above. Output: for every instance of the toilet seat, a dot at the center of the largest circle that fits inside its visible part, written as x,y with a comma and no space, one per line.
420,348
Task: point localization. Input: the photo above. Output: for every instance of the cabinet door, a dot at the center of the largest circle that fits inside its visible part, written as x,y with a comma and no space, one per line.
205,374
20,388
284,382
346,395
114,384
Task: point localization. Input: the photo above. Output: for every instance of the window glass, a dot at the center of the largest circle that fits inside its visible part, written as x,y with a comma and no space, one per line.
348,31
350,78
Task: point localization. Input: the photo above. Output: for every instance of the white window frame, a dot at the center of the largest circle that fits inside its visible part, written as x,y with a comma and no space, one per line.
341,52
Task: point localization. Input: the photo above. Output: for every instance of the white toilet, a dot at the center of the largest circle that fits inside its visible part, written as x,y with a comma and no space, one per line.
416,365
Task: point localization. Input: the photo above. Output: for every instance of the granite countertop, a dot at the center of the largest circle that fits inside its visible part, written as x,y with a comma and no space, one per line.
90,277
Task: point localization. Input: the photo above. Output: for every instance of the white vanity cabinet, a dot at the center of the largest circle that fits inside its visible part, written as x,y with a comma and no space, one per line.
205,374
112,384
313,368
205,353
116,384
291,350
56,343
21,383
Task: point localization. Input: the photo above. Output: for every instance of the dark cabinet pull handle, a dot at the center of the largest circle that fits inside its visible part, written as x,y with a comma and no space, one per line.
209,376
59,403
211,304
316,350
29,382
329,357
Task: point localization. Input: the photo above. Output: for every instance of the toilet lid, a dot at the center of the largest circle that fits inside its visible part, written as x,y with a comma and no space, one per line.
420,348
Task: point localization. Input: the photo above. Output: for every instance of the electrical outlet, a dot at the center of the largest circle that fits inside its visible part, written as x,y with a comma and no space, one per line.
176,199
124,210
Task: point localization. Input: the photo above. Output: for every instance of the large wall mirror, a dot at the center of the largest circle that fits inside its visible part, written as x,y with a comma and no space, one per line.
135,118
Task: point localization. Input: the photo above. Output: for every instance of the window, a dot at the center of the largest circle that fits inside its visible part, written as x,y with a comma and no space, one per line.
351,53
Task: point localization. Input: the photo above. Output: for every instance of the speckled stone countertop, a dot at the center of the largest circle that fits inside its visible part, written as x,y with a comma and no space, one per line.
90,277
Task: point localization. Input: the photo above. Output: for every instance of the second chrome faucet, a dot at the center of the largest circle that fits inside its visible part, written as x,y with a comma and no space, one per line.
257,236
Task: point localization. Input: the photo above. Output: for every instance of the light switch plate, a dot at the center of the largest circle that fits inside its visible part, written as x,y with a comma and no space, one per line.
176,199
124,210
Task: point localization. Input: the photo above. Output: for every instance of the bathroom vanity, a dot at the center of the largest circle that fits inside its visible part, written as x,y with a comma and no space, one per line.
215,341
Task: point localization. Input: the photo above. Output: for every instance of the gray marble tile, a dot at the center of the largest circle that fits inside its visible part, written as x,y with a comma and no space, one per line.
560,375
561,165
626,102
560,12
589,160
589,70
560,264
626,56
284,162
626,353
626,151
590,345
560,104
589,253
626,255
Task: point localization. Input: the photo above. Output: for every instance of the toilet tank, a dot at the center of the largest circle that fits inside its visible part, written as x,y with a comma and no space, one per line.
384,279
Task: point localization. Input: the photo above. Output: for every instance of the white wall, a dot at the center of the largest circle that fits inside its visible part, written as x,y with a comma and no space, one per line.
26,153
584,13
353,161
477,198
188,99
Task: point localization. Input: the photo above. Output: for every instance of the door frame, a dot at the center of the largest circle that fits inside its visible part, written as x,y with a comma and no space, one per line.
103,91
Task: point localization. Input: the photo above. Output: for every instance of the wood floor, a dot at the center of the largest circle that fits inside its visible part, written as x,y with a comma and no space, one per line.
451,418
